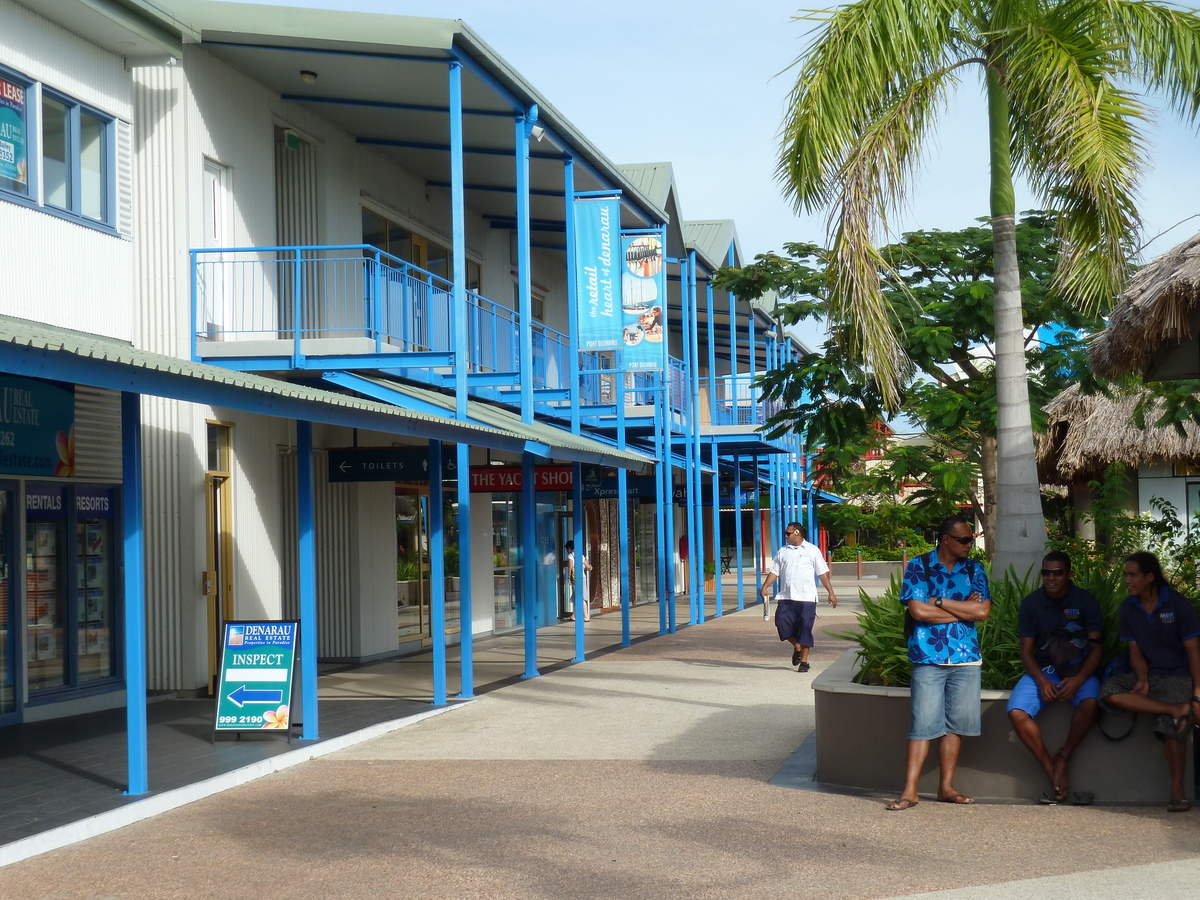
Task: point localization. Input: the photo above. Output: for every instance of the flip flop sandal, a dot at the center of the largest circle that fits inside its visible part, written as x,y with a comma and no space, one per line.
1181,806
901,805
1049,800
1083,798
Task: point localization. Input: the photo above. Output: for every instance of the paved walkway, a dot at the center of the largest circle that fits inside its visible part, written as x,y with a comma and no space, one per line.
645,773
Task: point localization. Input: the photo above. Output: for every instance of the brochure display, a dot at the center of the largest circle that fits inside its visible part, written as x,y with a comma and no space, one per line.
254,692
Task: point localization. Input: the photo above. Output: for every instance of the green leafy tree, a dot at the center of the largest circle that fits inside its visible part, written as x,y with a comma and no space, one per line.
944,309
1057,76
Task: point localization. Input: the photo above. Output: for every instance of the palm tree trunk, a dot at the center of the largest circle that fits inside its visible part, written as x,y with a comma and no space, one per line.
1020,525
987,471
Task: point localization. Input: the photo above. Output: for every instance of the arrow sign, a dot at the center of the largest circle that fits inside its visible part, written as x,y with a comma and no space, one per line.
242,696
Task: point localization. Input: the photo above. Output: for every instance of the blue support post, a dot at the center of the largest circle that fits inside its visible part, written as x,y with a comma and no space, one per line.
577,537
307,557
623,525
737,527
716,524
528,563
712,444
691,433
758,546
622,513
524,285
572,288
437,574
132,528
458,321
465,614
661,496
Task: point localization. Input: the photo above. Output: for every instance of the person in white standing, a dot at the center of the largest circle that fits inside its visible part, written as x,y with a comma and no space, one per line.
796,567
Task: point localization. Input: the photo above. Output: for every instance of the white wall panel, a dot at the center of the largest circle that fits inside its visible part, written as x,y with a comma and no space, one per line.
87,288
63,60
257,526
334,555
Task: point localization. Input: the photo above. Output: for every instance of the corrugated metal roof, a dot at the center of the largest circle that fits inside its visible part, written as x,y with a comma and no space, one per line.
509,421
712,240
337,29
655,180
37,336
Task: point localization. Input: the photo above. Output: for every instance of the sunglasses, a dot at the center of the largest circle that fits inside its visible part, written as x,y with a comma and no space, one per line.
1053,573
963,540
790,533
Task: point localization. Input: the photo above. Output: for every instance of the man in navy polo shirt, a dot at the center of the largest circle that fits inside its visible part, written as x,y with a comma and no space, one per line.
1058,609
1163,633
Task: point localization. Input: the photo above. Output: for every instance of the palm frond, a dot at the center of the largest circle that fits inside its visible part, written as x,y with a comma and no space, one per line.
1078,141
1163,48
857,60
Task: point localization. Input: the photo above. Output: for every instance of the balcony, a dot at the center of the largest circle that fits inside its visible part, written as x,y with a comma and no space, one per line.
356,307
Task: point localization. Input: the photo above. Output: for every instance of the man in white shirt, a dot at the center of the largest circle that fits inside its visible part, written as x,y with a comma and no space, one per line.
796,567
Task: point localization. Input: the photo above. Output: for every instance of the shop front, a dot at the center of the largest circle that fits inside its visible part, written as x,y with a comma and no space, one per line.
60,572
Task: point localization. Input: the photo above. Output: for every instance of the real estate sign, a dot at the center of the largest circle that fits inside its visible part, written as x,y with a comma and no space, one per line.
254,692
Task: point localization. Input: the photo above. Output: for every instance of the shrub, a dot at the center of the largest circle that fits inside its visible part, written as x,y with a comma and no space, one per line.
883,652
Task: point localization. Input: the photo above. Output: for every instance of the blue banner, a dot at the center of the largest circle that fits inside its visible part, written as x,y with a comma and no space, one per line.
643,303
598,272
12,132
37,427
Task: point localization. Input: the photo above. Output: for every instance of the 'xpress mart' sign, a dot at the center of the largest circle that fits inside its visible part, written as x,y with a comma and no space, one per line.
257,662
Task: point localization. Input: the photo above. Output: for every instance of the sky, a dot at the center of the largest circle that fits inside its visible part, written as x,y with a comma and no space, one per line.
701,84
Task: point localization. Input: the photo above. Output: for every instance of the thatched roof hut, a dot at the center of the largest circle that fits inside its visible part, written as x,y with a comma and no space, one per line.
1154,327
1085,433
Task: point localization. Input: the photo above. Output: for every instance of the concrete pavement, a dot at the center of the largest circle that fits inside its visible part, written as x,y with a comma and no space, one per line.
643,773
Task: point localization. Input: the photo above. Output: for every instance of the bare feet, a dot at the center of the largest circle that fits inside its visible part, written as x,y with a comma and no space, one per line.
956,798
1061,782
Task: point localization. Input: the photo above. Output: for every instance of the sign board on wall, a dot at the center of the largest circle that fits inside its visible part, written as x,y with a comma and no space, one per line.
254,692
37,427
387,464
13,164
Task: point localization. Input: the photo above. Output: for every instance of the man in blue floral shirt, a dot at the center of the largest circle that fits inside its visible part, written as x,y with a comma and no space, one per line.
946,594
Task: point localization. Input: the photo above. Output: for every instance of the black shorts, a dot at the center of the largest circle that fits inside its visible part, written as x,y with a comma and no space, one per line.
794,619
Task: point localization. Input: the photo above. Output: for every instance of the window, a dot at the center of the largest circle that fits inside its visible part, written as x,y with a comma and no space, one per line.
422,252
55,152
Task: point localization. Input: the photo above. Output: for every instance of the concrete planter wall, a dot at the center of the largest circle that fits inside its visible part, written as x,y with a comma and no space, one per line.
862,733
882,569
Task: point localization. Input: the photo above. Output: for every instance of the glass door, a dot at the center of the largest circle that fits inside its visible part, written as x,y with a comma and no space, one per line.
506,568
46,587
8,615
412,563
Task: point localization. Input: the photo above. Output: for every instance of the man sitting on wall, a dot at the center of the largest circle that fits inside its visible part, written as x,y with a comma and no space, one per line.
1061,627
1163,634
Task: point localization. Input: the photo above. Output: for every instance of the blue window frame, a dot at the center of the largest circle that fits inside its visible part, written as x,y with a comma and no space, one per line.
56,153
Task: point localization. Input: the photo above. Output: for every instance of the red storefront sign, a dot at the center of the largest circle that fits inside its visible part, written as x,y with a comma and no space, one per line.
486,479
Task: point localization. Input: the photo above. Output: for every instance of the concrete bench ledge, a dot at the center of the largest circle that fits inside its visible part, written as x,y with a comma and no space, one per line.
862,733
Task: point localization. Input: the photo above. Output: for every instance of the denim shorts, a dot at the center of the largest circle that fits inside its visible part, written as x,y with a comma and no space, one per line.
1027,698
945,699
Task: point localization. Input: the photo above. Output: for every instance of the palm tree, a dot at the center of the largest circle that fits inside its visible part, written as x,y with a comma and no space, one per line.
1060,111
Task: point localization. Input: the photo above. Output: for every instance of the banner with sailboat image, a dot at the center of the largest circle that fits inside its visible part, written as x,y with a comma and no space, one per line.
643,302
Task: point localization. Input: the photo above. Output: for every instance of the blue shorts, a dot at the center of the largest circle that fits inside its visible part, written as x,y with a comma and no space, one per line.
794,619
945,699
1026,697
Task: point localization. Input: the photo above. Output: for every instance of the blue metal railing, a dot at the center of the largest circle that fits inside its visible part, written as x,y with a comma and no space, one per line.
295,294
